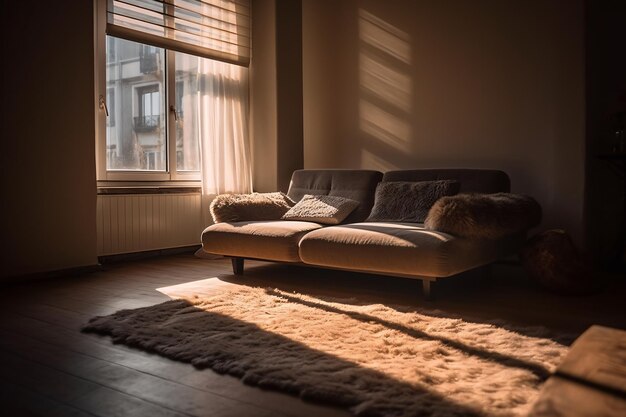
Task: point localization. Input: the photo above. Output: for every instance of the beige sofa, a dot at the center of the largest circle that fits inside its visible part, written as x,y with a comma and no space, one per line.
396,249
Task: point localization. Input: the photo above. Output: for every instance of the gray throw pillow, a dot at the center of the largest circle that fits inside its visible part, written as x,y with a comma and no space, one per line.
404,201
324,209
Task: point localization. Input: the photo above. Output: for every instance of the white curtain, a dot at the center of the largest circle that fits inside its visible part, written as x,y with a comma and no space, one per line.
223,128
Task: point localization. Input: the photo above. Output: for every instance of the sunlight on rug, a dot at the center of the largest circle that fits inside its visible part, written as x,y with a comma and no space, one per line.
374,359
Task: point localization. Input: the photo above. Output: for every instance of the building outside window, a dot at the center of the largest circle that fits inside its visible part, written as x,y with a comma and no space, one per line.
141,129
140,139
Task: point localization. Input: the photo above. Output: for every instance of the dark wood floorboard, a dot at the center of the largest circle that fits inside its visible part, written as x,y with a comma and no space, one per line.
49,368
23,402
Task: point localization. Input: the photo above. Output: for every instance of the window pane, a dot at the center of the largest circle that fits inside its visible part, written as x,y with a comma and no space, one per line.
188,72
136,126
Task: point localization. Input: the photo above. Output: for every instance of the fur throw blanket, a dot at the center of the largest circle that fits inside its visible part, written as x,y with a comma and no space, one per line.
484,216
254,206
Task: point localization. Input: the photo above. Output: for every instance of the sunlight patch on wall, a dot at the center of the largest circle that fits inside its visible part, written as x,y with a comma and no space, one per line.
384,36
385,126
385,88
371,161
386,83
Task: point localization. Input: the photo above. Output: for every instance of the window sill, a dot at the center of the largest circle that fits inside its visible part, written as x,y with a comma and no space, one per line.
118,189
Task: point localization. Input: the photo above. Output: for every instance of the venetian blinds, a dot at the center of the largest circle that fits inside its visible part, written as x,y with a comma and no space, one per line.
216,29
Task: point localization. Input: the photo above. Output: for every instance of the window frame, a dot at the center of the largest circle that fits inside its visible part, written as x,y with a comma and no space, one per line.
105,177
110,102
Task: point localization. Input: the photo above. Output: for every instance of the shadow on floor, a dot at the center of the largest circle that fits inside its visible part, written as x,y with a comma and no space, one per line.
180,331
506,297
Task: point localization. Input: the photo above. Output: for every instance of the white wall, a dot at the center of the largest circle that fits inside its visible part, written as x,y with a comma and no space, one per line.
48,203
455,83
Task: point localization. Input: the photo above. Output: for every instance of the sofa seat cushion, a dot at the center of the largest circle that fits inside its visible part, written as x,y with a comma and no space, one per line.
399,249
271,240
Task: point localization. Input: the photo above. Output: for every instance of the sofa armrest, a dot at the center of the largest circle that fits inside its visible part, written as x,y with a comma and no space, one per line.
249,207
484,216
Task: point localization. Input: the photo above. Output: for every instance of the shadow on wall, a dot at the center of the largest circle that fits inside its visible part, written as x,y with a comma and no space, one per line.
385,88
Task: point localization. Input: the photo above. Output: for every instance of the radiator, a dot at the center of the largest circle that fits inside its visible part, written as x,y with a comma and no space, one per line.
142,222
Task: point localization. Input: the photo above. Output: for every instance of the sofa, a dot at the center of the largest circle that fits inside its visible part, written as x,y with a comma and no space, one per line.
400,249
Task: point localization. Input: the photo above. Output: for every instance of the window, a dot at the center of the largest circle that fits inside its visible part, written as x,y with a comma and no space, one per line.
149,59
151,72
111,103
139,136
111,52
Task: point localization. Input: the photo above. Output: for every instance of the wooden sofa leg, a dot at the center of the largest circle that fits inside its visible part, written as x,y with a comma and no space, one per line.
426,289
237,266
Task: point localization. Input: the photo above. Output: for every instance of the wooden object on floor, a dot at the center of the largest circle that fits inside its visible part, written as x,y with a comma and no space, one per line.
591,380
561,397
599,358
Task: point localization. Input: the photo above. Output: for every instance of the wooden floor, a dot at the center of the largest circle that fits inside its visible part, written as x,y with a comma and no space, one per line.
49,368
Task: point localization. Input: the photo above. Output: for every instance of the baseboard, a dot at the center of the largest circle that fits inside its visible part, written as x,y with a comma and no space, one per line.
58,273
134,256
102,260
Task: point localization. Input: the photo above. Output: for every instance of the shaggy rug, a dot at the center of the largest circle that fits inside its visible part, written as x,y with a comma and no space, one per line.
376,360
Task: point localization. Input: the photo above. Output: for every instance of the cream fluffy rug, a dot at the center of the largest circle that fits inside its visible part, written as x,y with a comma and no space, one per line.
374,359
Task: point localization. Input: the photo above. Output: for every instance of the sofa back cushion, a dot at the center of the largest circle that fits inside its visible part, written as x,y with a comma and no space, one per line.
359,185
407,201
471,180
